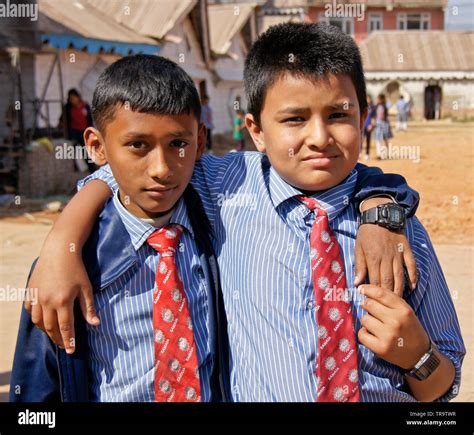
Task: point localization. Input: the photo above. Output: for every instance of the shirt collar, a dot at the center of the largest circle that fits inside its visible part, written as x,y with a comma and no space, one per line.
333,200
139,230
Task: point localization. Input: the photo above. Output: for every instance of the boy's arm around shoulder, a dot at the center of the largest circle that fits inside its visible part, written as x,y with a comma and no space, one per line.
61,261
371,181
381,253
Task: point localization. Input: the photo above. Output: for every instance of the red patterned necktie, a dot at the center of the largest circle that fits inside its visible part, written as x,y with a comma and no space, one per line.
336,369
176,363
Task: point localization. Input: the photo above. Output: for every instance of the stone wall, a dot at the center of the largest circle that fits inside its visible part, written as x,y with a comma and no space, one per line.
45,172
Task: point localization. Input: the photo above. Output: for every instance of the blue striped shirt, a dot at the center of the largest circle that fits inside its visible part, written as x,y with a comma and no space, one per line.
261,239
122,347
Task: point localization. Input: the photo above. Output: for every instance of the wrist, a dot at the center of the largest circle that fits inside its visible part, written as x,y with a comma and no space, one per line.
424,349
372,202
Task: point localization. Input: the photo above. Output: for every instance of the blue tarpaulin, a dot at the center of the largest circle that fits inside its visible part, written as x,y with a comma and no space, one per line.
91,45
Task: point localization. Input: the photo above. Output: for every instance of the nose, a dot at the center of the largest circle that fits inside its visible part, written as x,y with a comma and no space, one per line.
158,165
318,134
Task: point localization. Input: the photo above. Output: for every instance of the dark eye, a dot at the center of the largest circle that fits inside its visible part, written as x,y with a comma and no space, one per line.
137,145
338,115
293,120
178,144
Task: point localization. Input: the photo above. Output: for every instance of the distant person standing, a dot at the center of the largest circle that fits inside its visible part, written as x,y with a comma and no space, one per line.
206,119
238,134
437,103
78,116
383,131
369,125
402,114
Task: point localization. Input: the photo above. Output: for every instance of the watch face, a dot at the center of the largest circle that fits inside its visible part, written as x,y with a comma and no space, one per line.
396,216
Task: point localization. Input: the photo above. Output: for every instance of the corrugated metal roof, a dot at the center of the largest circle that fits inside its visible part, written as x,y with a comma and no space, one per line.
78,18
154,18
369,3
435,50
225,21
267,21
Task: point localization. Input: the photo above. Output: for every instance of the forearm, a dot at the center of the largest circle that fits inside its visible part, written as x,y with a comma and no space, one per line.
437,384
372,181
374,202
76,221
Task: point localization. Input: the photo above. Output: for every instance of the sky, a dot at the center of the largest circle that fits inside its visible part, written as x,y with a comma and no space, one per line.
464,20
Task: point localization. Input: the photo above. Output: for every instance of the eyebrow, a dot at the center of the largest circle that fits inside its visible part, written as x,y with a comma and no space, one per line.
293,110
140,135
338,106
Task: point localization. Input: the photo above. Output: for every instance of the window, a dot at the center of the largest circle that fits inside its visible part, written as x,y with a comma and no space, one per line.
346,24
375,21
414,21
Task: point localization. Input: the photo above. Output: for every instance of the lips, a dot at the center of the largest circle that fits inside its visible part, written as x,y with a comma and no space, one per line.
158,193
160,188
319,156
319,161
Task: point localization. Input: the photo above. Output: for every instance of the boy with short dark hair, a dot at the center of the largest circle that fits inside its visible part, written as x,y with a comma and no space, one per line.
149,257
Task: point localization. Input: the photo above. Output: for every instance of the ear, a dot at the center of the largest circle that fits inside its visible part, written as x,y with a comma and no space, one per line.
202,139
256,132
95,146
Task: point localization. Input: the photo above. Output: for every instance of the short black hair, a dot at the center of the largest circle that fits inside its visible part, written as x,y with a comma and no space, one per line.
73,91
301,49
147,84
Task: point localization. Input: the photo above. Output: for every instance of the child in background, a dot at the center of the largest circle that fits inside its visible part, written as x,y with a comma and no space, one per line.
238,134
369,126
383,131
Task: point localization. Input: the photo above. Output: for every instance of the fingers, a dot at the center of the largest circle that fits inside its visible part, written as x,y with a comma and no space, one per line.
37,316
360,265
51,326
373,325
386,274
368,339
399,277
381,295
86,301
28,306
376,309
410,264
66,327
373,267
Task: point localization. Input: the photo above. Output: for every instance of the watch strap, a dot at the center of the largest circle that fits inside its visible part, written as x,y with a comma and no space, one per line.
426,365
369,216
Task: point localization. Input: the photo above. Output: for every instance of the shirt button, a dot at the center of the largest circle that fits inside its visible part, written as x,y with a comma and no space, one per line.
236,294
290,343
310,305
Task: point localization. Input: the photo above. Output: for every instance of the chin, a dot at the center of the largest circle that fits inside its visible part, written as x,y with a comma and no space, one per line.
159,207
314,182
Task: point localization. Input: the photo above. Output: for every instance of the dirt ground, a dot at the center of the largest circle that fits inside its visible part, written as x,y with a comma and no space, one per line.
440,167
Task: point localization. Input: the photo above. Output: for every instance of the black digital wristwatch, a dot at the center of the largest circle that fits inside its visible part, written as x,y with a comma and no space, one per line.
391,216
